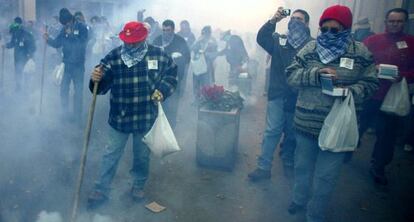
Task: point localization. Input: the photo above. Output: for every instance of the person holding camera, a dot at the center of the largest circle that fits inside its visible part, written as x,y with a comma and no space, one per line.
281,97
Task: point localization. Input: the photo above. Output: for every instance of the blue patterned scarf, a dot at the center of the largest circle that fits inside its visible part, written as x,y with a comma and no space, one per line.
298,33
133,55
332,46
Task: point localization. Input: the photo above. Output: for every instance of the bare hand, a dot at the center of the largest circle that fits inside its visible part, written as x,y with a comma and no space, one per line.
157,96
97,74
278,16
329,71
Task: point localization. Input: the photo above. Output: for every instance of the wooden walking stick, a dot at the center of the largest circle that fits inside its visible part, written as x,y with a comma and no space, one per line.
84,154
43,74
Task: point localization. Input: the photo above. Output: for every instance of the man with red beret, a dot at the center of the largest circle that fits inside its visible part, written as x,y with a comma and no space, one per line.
393,47
138,75
351,65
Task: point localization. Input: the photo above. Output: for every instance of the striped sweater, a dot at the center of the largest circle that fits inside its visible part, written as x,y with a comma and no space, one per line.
312,105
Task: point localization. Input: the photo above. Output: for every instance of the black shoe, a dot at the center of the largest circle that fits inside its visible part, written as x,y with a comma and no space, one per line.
294,208
259,174
96,199
378,177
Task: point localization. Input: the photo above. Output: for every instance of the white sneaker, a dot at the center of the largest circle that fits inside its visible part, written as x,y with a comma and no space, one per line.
408,148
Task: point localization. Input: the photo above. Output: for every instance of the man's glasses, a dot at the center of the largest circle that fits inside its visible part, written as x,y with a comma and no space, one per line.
331,30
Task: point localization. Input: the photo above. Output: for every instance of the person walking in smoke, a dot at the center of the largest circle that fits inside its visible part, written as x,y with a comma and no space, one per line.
176,47
281,98
24,47
236,55
206,45
352,66
396,48
185,32
138,75
73,39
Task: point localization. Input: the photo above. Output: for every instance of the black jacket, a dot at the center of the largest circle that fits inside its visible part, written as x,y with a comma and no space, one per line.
24,45
73,44
179,45
282,56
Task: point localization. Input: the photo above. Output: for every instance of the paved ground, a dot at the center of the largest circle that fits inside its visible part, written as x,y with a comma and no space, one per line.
39,159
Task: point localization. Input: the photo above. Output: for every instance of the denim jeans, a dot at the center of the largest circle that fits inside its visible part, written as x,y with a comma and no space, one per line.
110,160
318,170
277,122
73,73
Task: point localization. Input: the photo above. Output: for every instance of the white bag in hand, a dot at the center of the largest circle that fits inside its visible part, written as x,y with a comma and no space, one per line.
160,139
199,65
397,100
339,132
58,73
29,67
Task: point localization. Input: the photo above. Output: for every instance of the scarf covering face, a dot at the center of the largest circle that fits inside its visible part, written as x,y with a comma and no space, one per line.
133,55
331,46
298,33
167,39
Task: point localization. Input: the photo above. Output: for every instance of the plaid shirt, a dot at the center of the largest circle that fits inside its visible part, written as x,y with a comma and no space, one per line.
131,107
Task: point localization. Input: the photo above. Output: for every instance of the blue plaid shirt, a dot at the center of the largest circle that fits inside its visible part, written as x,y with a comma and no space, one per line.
131,107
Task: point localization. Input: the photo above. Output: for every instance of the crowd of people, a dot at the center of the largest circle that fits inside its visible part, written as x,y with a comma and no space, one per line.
148,62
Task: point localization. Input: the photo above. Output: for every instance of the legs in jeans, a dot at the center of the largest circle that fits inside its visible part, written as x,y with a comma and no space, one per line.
315,169
75,73
289,141
141,159
275,122
113,154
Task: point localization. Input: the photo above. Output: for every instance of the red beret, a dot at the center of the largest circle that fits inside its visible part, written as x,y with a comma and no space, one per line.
339,13
133,32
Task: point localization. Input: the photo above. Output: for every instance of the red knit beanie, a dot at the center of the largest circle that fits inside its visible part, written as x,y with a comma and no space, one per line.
339,13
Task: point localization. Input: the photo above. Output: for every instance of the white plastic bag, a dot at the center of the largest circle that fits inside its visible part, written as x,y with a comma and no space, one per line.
160,139
397,100
58,73
340,128
29,67
199,65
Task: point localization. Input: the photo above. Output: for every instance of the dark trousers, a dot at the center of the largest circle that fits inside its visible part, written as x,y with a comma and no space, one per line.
387,129
18,71
73,73
199,81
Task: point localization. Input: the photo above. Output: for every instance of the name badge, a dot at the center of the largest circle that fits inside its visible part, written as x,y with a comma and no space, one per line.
76,32
21,44
347,63
402,45
152,64
282,41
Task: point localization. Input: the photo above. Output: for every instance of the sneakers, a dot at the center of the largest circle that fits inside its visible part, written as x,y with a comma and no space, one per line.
96,199
137,194
295,208
259,174
378,177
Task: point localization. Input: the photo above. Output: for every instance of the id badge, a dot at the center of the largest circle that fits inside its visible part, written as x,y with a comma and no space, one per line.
402,45
152,64
76,32
347,63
